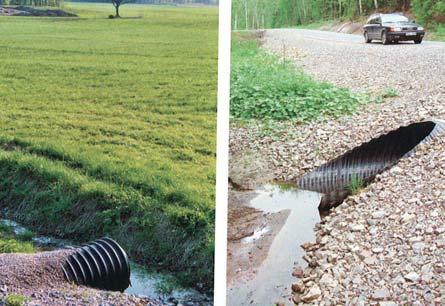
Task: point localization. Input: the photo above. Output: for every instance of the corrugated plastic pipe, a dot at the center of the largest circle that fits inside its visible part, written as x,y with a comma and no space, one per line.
364,162
101,264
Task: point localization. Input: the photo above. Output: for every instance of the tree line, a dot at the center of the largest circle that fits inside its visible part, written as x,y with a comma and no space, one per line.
254,14
55,3
59,2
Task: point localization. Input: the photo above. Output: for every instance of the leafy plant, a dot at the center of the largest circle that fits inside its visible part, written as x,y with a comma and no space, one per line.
389,93
15,300
262,88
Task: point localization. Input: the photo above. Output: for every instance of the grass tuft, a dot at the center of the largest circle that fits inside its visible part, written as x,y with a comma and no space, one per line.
15,300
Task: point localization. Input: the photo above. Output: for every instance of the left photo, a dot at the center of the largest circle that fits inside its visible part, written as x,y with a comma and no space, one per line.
107,152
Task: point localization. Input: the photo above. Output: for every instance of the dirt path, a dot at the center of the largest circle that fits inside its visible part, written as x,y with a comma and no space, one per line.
386,245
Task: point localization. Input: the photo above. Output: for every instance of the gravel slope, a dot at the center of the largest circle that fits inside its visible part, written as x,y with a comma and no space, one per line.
384,246
38,277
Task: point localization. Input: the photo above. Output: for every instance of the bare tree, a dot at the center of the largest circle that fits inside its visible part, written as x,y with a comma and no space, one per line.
360,7
376,4
117,4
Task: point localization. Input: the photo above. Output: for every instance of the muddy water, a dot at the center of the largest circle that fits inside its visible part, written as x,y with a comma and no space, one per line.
272,279
144,283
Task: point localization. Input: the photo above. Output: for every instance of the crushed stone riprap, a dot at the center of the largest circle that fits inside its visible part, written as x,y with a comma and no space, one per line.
40,279
390,222
386,243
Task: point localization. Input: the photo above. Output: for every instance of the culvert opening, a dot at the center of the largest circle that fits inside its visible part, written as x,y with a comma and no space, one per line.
101,264
361,164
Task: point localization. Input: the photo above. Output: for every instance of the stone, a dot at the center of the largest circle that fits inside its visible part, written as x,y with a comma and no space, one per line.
313,294
377,250
298,272
298,287
380,294
412,276
387,303
356,227
328,280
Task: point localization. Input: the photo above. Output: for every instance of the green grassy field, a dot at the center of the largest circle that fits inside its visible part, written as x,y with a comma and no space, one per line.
108,127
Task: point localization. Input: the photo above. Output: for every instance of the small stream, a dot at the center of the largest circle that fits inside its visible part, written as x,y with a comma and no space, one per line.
144,283
273,279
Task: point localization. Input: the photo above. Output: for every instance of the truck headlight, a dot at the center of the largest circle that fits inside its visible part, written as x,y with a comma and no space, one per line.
420,28
395,29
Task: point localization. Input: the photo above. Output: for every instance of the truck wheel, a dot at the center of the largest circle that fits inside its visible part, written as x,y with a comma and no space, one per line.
418,41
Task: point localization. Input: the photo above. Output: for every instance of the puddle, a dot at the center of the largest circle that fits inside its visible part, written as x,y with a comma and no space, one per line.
144,283
272,280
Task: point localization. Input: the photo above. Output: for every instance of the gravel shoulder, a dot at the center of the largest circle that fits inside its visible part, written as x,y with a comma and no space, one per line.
384,245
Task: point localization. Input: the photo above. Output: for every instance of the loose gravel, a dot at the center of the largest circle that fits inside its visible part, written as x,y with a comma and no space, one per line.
384,246
39,279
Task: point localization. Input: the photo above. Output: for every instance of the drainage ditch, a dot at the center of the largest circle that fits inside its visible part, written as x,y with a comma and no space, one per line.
315,193
103,264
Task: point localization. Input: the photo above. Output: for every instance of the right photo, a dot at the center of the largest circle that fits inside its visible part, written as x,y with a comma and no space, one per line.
337,153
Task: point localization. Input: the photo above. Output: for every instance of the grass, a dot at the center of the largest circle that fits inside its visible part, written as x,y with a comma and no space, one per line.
438,33
11,243
355,185
264,87
15,300
108,127
389,93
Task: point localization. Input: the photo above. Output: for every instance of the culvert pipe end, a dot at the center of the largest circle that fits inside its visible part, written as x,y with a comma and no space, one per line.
360,165
101,264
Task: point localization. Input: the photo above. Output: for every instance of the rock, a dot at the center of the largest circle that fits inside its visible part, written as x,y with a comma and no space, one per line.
412,276
298,272
380,294
387,303
418,247
356,227
313,294
377,250
298,287
328,280
296,298
378,214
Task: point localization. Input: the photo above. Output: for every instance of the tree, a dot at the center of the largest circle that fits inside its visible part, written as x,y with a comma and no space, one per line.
117,4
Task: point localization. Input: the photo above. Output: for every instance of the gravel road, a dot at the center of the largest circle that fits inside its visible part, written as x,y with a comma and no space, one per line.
386,245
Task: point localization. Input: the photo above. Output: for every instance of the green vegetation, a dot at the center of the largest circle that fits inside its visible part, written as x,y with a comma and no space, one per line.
15,300
254,14
389,93
263,87
355,185
11,243
439,33
108,127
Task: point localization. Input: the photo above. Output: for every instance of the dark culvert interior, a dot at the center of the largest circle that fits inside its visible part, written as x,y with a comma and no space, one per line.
360,165
100,264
